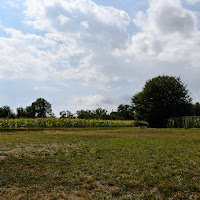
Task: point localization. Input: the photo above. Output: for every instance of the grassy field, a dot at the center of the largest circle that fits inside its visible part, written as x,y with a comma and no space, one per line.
100,163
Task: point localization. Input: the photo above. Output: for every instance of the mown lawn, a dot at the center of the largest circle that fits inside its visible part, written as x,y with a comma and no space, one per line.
126,163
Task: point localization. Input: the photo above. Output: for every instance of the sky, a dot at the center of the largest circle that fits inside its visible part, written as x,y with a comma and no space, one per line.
85,54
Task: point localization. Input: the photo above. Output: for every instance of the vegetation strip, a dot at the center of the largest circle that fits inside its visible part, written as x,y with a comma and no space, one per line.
63,123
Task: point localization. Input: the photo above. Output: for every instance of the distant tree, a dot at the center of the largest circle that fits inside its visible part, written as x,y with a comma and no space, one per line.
80,114
161,98
6,112
84,114
114,115
63,114
105,116
21,112
124,112
99,113
41,108
67,114
30,112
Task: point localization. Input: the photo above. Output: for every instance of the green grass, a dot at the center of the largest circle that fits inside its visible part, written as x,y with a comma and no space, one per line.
108,163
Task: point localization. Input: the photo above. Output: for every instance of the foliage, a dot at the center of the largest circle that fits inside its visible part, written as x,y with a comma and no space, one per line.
61,123
6,112
162,97
184,122
196,109
66,114
30,112
124,112
84,114
41,108
99,113
21,112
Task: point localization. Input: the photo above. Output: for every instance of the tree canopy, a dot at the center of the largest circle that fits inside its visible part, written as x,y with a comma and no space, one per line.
5,111
41,108
161,98
99,113
196,109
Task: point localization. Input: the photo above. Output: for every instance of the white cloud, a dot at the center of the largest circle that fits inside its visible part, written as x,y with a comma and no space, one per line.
79,29
83,20
93,101
63,20
90,102
79,10
166,37
21,57
167,17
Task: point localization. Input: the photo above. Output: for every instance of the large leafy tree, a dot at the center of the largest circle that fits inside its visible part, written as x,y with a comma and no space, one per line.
161,98
40,108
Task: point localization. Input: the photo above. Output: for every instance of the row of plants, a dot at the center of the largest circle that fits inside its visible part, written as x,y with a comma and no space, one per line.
63,123
184,122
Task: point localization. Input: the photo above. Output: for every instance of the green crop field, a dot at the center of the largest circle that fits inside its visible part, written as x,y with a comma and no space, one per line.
100,163
64,123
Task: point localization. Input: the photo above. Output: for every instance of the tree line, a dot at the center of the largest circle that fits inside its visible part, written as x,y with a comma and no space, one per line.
124,112
41,108
161,98
38,109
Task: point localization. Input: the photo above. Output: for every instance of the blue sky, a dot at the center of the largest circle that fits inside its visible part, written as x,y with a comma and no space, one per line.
84,54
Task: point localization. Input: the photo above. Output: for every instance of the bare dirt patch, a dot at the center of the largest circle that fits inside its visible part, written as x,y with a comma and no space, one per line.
32,149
